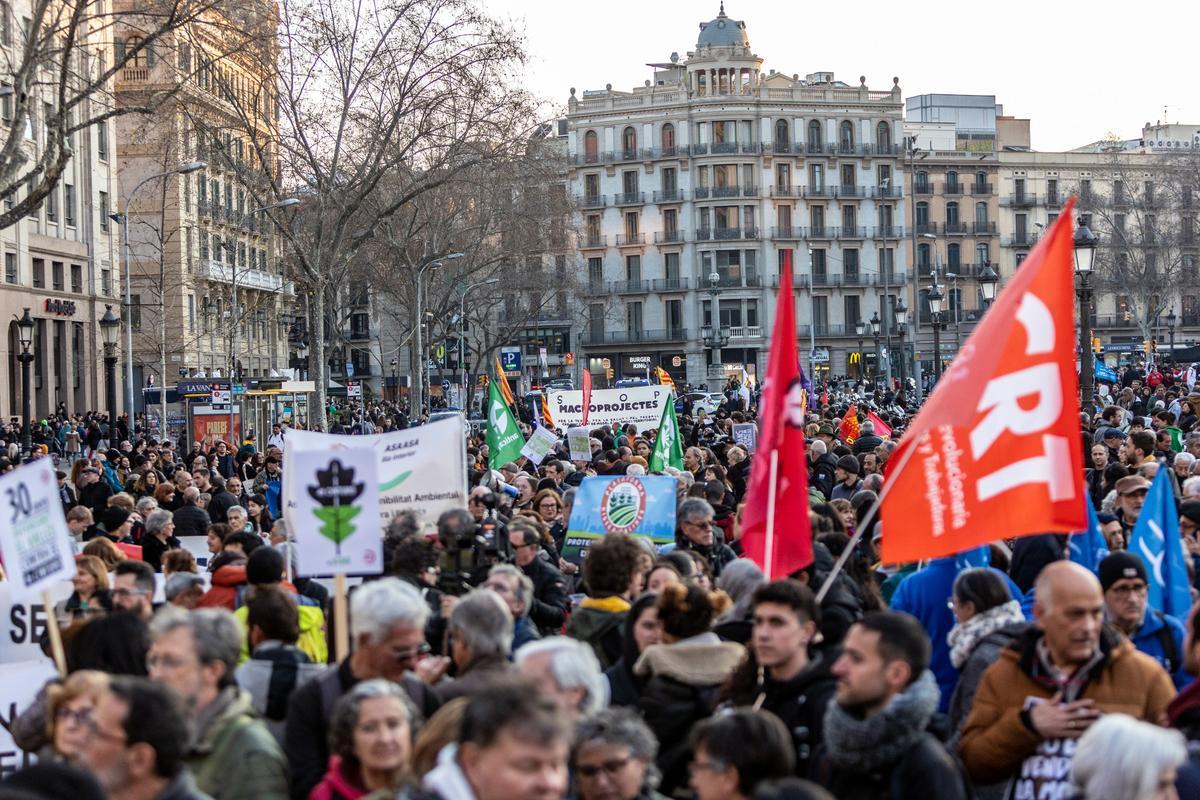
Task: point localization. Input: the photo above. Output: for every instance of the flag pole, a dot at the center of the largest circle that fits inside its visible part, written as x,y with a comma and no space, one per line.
769,557
866,523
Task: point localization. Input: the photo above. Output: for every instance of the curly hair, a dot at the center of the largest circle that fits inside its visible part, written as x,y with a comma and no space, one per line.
686,610
610,565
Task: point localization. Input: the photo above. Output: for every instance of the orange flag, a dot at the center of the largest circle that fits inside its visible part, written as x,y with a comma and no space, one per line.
996,450
502,379
849,427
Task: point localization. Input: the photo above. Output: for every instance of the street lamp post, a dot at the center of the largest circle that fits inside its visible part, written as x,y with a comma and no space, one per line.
182,169
395,382
875,336
717,336
110,332
935,311
988,279
860,328
1084,245
1171,320
901,314
462,334
25,327
418,391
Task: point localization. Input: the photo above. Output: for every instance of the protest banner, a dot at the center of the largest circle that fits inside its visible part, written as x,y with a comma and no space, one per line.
24,622
422,468
35,541
541,444
639,506
746,434
580,444
333,518
19,684
640,405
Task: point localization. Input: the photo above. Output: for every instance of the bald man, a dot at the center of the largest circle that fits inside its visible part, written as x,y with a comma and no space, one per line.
1048,688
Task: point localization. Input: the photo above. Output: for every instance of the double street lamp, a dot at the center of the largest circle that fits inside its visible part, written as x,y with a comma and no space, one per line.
25,327
875,335
110,332
1171,320
1084,245
936,299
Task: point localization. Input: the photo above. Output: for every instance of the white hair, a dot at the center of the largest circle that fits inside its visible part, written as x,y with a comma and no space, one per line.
379,607
574,666
1120,758
818,447
635,469
1186,459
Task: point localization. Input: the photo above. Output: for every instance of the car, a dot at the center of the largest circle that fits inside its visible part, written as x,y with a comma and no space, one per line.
709,402
559,385
629,383
440,415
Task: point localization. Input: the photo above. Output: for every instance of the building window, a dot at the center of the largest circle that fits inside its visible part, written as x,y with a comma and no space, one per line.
633,270
69,204
631,226
952,220
596,271
591,146
846,137
204,245
951,182
853,310
135,312
629,142
191,312
883,137
983,254
629,182
52,205
921,182
953,257
814,136
104,212
980,182
77,278
102,141
633,317
39,274
10,267
782,136
981,214
106,281
57,276
668,139
923,257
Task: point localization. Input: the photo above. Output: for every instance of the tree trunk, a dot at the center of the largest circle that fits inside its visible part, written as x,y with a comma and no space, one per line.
316,353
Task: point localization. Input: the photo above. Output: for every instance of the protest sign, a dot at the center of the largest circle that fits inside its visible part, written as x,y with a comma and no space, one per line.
34,539
745,434
639,506
19,684
540,445
23,623
422,468
333,512
580,444
640,405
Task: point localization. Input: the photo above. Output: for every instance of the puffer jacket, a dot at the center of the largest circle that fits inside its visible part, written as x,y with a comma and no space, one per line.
681,686
598,622
228,585
232,755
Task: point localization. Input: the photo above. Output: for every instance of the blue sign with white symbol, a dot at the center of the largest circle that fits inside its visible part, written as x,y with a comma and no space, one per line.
510,359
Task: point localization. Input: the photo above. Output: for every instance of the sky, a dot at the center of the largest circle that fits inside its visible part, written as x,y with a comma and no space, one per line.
1078,71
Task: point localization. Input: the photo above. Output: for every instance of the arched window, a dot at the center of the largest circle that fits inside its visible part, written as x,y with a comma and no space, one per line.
668,139
846,137
982,254
814,136
921,182
922,219
981,214
591,147
953,257
981,182
782,138
883,138
629,142
951,182
952,220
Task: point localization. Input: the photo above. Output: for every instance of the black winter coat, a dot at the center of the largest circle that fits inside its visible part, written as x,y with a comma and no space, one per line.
549,609
926,770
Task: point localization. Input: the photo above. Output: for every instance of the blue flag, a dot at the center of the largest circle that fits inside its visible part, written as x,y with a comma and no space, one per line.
1088,548
1156,539
978,557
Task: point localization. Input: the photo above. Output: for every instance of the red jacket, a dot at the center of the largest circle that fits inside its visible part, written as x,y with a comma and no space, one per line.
337,785
226,582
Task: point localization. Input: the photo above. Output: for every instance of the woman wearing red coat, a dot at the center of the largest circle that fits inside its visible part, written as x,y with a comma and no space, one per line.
372,733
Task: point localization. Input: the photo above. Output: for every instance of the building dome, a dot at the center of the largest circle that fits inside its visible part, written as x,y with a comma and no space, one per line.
723,32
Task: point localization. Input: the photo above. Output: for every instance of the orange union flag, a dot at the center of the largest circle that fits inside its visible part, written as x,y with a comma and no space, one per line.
996,450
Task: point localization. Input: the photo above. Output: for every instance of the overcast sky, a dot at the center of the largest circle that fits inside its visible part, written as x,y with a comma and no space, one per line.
1078,70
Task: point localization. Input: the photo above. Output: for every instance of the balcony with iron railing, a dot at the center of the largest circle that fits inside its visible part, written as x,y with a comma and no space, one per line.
850,192
1021,239
670,237
983,228
595,337
668,196
1020,200
1055,200
798,281
783,191
667,285
889,232
629,198
787,233
924,228
787,147
952,189
591,201
980,189
821,232
955,228
631,239
593,241
1114,321
922,188
817,192
633,286
827,330
723,148
853,232
724,234
887,192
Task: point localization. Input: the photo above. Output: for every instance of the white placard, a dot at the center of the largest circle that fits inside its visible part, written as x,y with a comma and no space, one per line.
35,542
334,512
23,623
640,405
19,684
539,445
580,443
422,468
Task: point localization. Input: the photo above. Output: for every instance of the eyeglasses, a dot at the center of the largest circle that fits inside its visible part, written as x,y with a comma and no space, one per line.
609,768
709,766
1129,588
81,717
166,662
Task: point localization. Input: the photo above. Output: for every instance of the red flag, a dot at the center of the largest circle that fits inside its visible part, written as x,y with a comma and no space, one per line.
996,449
779,539
587,394
849,428
882,429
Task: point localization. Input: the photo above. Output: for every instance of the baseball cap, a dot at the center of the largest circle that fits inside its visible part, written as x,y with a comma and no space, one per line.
1111,432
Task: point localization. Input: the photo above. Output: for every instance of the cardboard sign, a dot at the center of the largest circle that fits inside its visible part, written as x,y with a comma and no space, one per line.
580,444
334,512
638,506
640,405
19,684
23,623
746,434
36,544
540,445
422,468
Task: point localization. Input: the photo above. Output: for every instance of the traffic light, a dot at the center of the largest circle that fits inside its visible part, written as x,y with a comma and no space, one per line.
483,381
609,373
1096,346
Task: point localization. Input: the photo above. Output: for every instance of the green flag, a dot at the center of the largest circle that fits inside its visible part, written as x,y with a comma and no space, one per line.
503,436
668,451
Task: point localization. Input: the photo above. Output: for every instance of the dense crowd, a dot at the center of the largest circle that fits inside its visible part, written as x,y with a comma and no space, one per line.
487,665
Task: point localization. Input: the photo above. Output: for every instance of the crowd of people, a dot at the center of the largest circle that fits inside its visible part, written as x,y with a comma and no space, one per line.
505,670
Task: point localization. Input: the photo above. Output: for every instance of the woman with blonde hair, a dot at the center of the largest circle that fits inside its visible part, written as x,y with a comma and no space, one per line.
103,548
69,708
91,593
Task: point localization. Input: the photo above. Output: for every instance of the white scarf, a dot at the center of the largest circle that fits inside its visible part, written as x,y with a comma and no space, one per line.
965,635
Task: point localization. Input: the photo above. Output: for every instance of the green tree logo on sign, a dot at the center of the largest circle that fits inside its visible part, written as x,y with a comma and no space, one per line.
336,492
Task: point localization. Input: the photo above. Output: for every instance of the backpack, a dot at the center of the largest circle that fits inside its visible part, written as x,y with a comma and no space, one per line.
1170,649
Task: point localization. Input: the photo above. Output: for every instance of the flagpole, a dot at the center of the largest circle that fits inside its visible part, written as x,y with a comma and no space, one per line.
866,523
769,557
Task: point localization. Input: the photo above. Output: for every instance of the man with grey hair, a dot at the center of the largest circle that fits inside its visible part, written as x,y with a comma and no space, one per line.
569,673
1183,465
480,631
1191,488
190,519
695,520
516,590
231,753
867,441
237,517
387,622
158,538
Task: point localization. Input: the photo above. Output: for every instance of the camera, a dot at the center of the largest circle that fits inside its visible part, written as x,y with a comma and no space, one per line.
471,548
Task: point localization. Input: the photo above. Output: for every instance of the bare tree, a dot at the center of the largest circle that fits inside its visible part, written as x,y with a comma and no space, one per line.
414,92
62,70
1145,218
